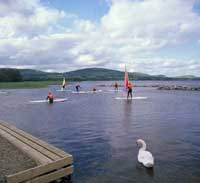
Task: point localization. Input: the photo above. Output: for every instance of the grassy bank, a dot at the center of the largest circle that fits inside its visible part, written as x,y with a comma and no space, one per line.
27,84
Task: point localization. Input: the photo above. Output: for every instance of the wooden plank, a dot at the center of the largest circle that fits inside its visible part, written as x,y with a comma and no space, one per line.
40,151
39,170
53,176
36,140
30,143
35,155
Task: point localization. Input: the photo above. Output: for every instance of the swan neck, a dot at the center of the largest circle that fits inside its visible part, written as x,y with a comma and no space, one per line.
144,146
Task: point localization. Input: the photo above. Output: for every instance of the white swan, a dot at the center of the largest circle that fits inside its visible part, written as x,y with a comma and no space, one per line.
145,157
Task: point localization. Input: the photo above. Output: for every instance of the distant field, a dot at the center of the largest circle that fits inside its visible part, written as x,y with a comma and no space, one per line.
27,84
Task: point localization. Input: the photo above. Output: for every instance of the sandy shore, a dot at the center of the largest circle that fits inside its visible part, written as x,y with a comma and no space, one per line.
12,160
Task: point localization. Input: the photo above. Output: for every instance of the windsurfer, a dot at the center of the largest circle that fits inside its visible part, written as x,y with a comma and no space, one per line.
78,88
130,90
116,86
63,86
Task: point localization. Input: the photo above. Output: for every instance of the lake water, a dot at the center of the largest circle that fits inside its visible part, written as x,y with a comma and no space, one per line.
101,132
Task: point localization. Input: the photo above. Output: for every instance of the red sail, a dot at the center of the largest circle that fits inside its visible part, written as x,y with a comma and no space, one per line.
126,81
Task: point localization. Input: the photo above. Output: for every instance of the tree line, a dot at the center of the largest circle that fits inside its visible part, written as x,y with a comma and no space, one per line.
10,75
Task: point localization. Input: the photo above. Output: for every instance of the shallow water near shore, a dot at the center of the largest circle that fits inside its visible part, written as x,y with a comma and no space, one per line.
101,132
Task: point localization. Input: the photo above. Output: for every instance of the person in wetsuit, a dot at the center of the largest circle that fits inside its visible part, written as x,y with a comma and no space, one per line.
78,88
130,90
50,97
116,86
63,86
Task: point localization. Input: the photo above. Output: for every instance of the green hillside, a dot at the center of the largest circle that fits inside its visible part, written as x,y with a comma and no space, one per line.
107,74
94,74
35,75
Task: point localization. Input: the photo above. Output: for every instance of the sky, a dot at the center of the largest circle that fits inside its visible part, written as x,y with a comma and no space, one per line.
149,36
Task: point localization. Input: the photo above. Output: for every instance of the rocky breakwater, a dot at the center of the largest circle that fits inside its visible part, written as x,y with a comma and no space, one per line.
175,87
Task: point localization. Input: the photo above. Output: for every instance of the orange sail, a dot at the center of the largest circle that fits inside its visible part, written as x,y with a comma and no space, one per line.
126,81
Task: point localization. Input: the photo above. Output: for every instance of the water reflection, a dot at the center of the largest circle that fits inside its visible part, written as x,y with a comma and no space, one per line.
148,171
101,132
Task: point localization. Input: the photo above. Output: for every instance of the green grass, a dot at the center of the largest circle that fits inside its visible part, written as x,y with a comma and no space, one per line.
27,84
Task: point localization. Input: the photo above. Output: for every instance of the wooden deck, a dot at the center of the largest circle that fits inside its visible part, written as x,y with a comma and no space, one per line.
52,162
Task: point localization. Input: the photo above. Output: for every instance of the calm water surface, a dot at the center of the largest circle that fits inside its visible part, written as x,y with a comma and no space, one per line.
101,132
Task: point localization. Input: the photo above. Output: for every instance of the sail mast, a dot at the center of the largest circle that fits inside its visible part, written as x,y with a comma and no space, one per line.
126,79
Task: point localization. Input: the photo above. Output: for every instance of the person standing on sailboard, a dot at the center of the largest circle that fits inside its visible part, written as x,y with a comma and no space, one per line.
116,86
130,90
78,88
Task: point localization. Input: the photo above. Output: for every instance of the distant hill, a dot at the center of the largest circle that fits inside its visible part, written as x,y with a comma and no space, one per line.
35,75
107,74
189,77
96,74
88,74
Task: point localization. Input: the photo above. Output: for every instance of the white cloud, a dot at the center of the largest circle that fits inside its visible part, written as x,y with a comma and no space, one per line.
131,31
27,18
154,21
167,66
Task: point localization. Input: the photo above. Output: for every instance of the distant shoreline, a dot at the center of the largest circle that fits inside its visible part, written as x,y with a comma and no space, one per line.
27,84
44,84
164,87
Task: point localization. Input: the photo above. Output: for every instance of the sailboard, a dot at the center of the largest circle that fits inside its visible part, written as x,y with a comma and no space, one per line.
115,90
97,91
82,92
79,92
3,92
126,83
133,98
63,90
46,101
